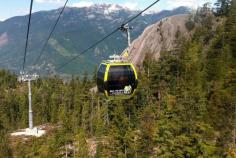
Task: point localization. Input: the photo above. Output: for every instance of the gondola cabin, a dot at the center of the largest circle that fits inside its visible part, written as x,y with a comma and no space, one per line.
117,79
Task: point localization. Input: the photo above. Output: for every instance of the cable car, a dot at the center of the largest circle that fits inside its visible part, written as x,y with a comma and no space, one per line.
117,79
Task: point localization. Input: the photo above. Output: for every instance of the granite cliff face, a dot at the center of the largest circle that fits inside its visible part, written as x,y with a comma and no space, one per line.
158,37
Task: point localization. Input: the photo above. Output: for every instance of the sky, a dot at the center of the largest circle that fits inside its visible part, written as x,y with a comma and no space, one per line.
10,8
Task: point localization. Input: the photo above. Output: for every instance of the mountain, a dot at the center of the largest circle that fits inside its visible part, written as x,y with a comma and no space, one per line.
77,29
158,37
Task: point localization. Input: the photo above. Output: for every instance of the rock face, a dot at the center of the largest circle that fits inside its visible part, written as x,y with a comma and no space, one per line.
158,37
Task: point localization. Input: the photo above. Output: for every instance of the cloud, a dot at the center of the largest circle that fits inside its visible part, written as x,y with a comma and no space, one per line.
22,11
50,1
82,4
189,3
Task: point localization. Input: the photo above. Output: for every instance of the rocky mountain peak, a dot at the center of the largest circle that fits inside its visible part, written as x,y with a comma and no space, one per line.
158,37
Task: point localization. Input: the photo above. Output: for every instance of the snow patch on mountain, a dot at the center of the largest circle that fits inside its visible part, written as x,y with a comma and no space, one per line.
82,4
91,16
150,12
105,7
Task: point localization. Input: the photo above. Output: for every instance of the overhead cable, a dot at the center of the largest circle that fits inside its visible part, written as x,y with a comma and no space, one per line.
50,35
27,35
104,38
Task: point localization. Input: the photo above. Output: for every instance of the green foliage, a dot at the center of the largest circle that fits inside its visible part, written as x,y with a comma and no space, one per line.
5,150
190,24
82,144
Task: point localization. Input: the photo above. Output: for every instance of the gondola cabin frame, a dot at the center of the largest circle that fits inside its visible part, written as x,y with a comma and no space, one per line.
117,80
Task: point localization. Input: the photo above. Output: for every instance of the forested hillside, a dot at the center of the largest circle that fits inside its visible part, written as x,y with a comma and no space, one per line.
185,105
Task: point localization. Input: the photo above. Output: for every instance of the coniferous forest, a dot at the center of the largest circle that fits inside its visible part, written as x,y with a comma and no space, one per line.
185,105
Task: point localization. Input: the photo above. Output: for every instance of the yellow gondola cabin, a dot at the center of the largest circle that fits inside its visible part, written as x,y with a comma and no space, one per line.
117,79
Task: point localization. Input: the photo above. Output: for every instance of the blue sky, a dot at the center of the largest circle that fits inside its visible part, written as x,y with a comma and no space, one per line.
10,8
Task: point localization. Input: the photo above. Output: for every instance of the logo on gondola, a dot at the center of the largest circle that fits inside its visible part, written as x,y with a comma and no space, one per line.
127,89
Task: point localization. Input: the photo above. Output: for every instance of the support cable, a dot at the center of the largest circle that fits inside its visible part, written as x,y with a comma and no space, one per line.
107,36
50,35
27,36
